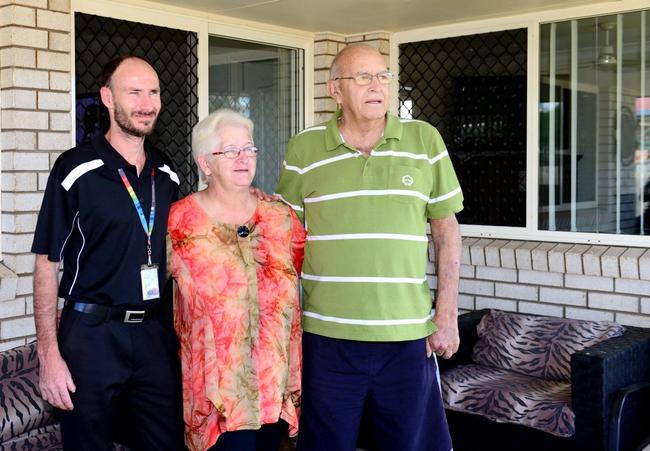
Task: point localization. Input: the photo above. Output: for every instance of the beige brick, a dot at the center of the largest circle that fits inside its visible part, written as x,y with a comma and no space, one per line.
495,303
60,121
321,105
29,305
633,320
5,345
477,252
540,256
469,286
498,274
8,283
556,260
60,81
645,305
9,309
34,161
320,91
630,262
325,48
17,140
53,60
541,278
467,271
42,180
53,20
19,181
516,291
466,302
19,327
17,57
320,117
588,315
54,141
24,37
34,3
640,287
323,61
59,5
464,251
23,78
610,301
523,254
54,101
19,119
589,282
591,260
18,98
27,201
354,38
25,284
432,281
380,35
610,261
562,296
573,259
507,253
19,223
329,37
431,268
24,264
17,15
644,266
492,256
60,42
536,308
321,76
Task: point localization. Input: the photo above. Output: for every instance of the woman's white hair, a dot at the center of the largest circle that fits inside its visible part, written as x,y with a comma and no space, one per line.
206,134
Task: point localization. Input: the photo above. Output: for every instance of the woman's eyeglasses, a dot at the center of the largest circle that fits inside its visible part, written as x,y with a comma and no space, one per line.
232,152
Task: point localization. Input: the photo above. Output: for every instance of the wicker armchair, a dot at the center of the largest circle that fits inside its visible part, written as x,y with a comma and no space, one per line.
598,373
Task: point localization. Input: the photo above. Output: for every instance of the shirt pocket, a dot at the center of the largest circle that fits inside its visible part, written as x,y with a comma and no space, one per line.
406,184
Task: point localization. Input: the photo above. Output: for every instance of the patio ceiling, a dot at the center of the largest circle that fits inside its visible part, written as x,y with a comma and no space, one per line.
358,16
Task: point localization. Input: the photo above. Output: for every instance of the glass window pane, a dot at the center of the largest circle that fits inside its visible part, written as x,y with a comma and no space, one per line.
593,112
264,83
473,89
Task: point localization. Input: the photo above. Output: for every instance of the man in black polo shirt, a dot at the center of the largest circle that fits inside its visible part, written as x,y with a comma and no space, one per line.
105,215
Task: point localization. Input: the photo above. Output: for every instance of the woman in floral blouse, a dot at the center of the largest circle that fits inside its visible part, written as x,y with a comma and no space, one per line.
236,261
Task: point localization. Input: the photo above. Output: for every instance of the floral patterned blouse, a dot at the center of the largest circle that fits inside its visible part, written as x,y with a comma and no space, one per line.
237,316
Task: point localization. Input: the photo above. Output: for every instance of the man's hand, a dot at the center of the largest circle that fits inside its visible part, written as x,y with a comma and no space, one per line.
261,195
55,382
445,341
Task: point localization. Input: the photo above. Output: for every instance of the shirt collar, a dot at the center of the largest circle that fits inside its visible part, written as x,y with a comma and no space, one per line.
113,160
333,139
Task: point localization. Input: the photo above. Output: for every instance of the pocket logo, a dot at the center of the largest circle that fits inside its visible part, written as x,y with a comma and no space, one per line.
407,180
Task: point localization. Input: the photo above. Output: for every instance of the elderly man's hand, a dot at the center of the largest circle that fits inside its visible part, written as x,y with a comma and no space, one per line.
56,383
445,341
261,195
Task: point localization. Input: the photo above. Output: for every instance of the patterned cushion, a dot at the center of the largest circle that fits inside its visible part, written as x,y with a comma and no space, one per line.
22,408
509,397
536,345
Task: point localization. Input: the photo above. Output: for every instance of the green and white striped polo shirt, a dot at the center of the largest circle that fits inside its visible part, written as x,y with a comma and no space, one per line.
364,274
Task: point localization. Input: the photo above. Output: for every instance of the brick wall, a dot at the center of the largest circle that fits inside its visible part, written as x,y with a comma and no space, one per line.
564,280
35,107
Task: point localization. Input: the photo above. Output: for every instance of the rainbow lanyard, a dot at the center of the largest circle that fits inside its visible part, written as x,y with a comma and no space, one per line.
148,229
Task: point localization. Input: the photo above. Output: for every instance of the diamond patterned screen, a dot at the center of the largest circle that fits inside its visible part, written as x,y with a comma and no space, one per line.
473,89
173,54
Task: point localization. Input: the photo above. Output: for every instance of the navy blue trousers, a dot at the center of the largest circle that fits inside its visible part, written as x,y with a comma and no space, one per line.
128,384
393,382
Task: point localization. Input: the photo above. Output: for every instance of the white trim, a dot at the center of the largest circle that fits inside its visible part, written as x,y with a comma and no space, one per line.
83,244
295,207
445,196
366,192
362,279
367,322
80,170
67,237
312,129
368,236
413,156
327,161
172,175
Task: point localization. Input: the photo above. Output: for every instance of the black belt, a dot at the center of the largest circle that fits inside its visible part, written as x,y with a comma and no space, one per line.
116,313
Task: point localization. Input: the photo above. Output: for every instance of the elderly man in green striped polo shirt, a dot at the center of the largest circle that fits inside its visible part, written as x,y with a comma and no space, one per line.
367,184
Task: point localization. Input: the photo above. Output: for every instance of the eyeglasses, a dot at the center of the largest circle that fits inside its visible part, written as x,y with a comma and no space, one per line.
364,78
232,152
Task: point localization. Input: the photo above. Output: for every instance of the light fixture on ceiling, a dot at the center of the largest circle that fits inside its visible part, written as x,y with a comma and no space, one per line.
607,56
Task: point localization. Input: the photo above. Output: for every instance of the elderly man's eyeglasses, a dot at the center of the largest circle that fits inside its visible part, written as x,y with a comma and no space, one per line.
364,78
232,152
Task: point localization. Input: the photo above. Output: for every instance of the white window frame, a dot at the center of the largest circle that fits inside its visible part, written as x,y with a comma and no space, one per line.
532,22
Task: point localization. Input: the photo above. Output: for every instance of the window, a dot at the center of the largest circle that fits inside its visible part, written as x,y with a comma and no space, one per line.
594,122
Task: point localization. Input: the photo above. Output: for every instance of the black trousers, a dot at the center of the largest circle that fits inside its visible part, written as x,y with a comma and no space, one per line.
128,384
267,438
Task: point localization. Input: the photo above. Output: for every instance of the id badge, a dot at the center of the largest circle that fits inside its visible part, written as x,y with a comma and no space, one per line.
149,279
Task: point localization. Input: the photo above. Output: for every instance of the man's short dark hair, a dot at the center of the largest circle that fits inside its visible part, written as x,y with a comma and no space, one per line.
109,69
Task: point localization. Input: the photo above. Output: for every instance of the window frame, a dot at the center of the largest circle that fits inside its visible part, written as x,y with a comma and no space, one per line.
532,22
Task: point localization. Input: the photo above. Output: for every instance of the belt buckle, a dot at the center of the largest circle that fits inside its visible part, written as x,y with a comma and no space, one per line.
134,316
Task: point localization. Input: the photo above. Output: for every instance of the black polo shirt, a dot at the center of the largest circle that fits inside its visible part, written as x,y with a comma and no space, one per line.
89,222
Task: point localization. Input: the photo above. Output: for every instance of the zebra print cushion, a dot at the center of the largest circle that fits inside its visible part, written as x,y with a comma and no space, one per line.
22,408
510,397
537,346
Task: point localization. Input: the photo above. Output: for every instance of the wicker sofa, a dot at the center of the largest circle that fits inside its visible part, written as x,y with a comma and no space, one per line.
598,375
